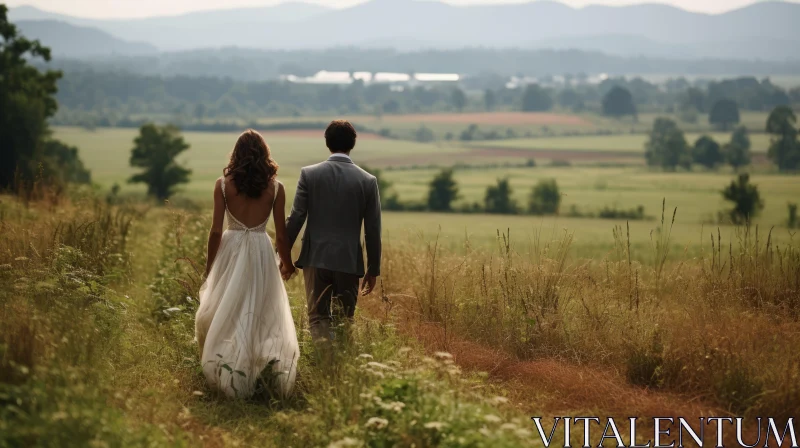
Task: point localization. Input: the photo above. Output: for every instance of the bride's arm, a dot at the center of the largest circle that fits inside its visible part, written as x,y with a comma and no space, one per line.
281,239
215,234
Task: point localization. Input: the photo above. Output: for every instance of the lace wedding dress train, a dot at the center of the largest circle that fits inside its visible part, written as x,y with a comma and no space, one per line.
244,323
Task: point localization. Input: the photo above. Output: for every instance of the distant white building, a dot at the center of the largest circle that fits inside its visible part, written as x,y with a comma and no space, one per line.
554,81
326,77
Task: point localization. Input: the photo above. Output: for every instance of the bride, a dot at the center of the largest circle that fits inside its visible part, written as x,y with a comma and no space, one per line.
244,324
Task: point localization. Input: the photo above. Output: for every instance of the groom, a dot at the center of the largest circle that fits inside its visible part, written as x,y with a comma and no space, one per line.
335,197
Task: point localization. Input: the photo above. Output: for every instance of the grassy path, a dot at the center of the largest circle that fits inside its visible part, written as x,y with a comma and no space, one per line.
161,384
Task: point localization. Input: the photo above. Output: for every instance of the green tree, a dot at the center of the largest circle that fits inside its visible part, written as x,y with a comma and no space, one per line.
618,102
724,113
569,99
66,165
424,134
498,198
745,197
489,100
545,198
458,99
784,150
693,99
155,150
707,152
737,151
536,99
27,100
443,191
469,134
667,147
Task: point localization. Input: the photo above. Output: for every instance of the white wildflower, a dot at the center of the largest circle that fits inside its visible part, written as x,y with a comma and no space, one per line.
347,441
508,426
377,423
443,355
378,365
396,406
492,418
523,433
197,393
377,373
435,425
404,350
499,400
365,356
485,432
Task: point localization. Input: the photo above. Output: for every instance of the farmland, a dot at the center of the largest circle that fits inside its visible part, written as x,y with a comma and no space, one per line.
481,321
585,188
552,245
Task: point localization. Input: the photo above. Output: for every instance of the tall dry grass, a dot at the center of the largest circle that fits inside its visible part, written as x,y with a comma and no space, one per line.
96,325
722,326
60,325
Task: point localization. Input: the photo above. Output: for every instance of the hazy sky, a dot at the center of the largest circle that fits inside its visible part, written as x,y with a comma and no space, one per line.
143,8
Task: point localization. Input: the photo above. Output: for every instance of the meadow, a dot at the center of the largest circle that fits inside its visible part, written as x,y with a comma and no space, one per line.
534,124
585,188
459,347
479,321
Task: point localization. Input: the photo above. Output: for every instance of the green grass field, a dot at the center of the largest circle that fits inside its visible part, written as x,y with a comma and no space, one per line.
106,153
588,188
697,195
557,123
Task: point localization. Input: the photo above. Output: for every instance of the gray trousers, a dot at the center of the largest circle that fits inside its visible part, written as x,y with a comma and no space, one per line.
329,295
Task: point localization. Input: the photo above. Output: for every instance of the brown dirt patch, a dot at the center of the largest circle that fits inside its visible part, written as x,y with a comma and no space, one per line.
495,118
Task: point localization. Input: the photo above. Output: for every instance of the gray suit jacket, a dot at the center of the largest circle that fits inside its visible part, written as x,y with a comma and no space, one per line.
336,197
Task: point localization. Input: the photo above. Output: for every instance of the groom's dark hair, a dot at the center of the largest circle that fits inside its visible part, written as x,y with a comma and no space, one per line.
340,136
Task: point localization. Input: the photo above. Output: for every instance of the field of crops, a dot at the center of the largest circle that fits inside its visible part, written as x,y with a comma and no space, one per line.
584,188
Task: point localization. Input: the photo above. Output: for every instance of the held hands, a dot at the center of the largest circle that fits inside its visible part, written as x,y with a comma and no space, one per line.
287,271
368,284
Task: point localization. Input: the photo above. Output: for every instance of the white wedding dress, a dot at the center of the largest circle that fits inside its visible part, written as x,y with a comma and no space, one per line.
244,323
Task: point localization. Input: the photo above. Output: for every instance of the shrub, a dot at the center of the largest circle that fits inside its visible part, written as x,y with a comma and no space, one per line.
745,197
424,134
545,198
498,198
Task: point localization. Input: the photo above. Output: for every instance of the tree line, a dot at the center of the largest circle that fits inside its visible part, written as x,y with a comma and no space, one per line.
484,64
113,98
27,151
668,148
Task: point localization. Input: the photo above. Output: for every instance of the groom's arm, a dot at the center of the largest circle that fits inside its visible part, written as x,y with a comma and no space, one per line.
372,231
297,217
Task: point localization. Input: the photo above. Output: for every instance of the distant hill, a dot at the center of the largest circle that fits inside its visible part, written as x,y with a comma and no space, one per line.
764,30
71,41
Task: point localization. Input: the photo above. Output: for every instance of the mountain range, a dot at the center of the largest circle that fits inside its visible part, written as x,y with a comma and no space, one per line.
764,30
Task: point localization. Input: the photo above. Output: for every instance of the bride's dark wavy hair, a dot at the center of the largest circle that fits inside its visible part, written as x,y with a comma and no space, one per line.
251,166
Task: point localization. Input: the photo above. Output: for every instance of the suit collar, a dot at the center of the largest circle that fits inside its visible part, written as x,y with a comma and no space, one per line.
340,157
